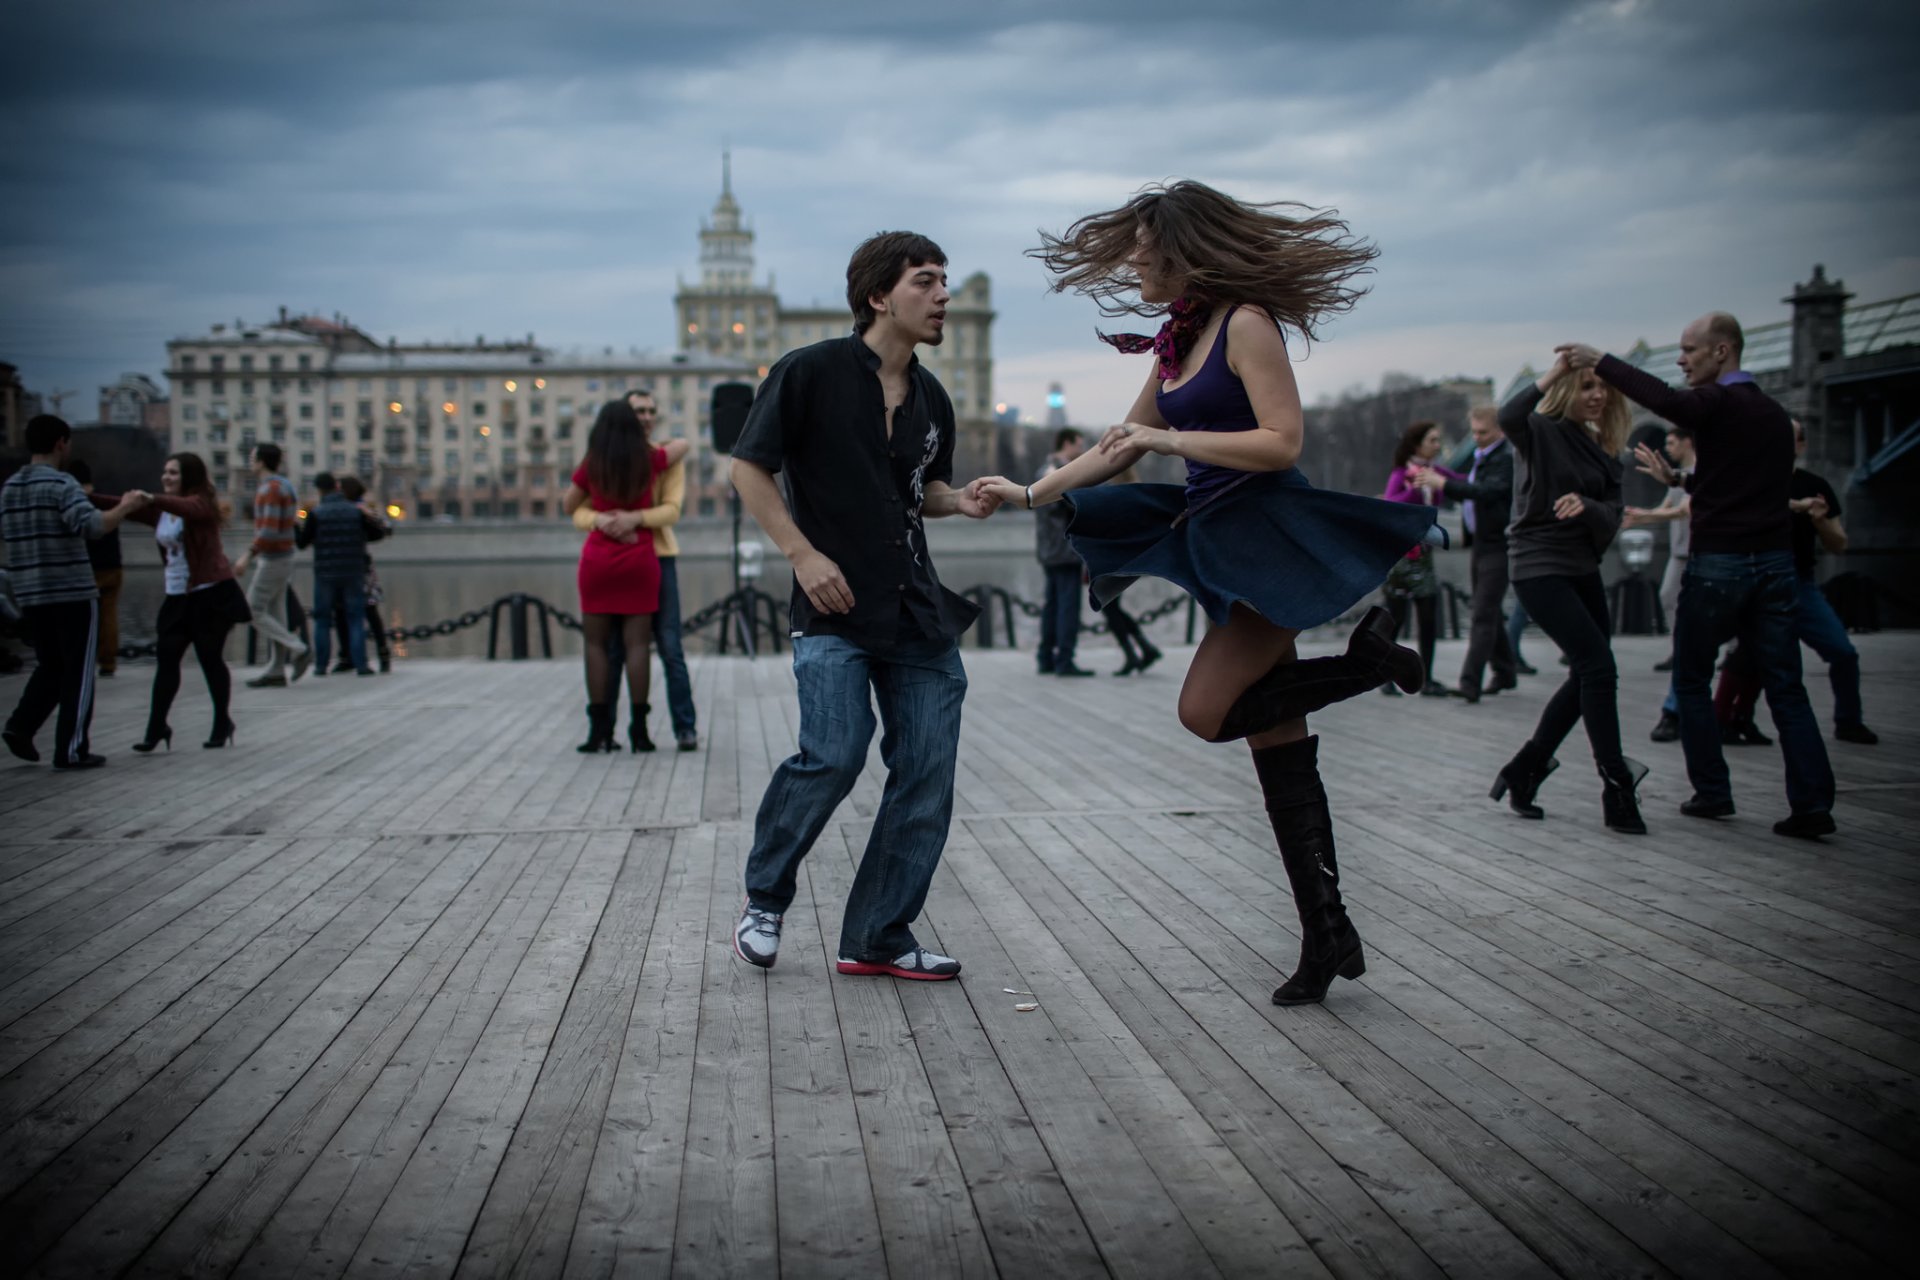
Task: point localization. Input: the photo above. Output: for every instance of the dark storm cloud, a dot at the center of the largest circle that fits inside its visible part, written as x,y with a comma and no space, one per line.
440,169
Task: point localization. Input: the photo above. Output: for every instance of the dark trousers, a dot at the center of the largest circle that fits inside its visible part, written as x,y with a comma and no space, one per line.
192,621
1060,616
1756,597
349,595
1572,610
64,638
1425,610
1815,622
1487,640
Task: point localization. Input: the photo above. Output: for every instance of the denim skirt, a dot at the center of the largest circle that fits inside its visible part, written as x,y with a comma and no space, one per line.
1296,555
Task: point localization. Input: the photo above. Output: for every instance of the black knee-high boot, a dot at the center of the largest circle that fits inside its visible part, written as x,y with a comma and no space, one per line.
637,736
1293,690
1303,828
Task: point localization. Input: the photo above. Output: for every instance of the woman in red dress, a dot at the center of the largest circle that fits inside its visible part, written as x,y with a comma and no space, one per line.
619,573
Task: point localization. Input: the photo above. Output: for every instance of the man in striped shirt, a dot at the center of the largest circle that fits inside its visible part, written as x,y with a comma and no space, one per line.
274,507
45,521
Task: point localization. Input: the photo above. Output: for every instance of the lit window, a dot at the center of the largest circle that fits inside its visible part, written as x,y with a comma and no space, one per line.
449,407
395,407
693,328
738,327
485,430
539,384
511,385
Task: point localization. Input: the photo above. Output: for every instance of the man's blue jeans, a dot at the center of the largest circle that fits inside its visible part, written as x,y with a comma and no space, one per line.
1755,595
673,653
918,686
1816,623
1060,616
349,593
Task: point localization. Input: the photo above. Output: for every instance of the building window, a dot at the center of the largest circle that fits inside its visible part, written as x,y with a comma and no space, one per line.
479,408
186,362
563,430
476,384
273,363
510,510
423,509
306,460
451,460
306,384
306,411
335,410
451,386
218,387
218,435
337,435
217,363
190,436
482,510
363,410
246,410
536,408
189,413
306,362
219,460
393,387
366,433
538,509
304,435
365,387
246,362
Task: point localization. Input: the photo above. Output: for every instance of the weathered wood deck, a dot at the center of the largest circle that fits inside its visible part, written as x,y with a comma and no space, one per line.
405,985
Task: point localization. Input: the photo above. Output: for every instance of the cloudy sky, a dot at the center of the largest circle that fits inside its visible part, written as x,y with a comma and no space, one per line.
1532,171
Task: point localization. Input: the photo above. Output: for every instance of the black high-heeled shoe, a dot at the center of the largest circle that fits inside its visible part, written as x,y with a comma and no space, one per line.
637,736
222,735
1523,775
154,740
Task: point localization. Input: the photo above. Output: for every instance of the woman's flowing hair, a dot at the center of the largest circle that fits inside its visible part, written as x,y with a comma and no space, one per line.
1410,442
1293,261
619,461
1615,420
196,483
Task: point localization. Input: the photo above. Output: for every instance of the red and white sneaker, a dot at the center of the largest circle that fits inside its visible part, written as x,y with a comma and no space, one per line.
919,963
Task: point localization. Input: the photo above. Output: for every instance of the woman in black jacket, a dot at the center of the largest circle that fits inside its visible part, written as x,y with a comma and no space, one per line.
1567,430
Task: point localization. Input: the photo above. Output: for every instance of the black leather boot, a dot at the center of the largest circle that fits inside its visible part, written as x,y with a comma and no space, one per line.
1303,828
1522,776
1617,803
637,727
1294,690
599,729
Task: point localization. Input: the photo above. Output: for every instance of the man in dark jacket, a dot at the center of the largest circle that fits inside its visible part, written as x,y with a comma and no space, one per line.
338,531
1486,505
1060,612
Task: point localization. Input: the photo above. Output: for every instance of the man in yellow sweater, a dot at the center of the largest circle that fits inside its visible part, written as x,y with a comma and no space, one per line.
669,495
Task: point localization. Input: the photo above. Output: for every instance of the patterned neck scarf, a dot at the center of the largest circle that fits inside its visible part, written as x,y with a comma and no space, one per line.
1185,319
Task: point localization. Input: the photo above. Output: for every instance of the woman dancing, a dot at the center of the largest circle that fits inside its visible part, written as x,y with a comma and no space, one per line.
1567,431
619,571
202,601
1265,553
1413,580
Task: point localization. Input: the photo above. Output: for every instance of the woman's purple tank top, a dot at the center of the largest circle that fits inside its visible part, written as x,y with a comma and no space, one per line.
1212,400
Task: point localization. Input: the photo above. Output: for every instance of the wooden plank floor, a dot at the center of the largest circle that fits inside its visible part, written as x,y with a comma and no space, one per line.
404,985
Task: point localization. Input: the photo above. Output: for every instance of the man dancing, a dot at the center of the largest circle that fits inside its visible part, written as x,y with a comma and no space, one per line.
1739,577
864,436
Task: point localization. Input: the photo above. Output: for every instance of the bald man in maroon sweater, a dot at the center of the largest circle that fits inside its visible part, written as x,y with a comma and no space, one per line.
1740,577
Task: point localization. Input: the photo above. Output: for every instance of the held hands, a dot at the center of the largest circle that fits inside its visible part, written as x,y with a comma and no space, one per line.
823,582
979,499
134,499
998,490
1578,355
1567,506
1140,438
1654,463
1427,478
618,525
1816,506
1634,517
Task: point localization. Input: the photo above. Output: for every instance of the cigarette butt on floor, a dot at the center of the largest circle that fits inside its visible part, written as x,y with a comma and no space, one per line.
1025,1008
1010,991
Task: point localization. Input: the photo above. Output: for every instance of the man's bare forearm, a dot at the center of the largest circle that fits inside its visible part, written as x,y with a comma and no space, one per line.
761,496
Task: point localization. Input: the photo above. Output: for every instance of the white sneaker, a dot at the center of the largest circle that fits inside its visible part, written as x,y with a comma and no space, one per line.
756,939
919,963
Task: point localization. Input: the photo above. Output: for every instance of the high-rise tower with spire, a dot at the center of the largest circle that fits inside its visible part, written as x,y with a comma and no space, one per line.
727,312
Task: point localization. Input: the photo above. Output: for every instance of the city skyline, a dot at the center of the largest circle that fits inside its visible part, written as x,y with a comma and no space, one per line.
1531,172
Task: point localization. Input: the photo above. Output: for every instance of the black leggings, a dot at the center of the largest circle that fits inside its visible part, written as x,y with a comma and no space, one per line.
191,621
1425,615
636,632
1572,610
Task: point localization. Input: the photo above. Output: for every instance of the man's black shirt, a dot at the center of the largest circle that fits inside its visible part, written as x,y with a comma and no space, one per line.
1805,537
820,421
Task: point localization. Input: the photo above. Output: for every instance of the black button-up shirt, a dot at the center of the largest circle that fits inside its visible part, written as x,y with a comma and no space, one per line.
820,421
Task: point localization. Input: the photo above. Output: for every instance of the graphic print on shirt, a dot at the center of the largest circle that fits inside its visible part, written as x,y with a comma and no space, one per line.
916,527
